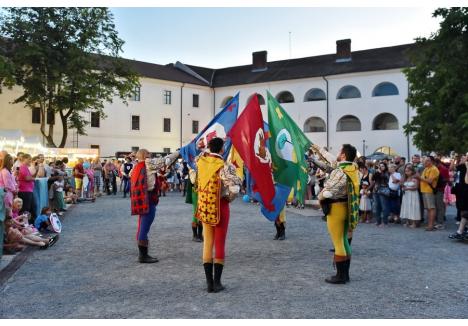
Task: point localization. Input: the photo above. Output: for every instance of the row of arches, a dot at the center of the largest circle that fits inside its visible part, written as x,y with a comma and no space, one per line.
317,94
383,121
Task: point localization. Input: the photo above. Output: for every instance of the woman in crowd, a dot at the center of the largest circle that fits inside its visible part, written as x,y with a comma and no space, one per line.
26,186
394,198
410,206
7,180
381,192
462,199
126,169
110,175
97,168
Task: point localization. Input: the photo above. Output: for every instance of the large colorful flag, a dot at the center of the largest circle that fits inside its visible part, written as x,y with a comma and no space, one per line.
248,137
219,126
288,145
279,200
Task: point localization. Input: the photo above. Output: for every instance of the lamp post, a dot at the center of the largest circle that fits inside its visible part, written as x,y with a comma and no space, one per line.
363,147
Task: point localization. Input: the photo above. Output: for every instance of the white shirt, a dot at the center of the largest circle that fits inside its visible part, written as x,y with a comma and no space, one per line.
394,185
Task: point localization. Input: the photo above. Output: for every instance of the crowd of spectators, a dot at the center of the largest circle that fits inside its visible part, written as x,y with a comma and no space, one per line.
412,194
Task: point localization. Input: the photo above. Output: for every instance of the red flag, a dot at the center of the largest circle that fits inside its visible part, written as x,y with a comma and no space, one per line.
249,139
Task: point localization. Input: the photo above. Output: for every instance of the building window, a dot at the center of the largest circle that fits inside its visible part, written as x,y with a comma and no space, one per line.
285,97
95,119
135,149
385,121
196,98
167,97
348,92
137,94
225,101
194,127
315,94
314,124
95,147
36,115
166,150
167,125
261,100
50,117
385,89
135,122
348,123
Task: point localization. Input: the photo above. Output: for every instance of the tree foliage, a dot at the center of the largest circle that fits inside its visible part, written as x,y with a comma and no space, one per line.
67,62
439,85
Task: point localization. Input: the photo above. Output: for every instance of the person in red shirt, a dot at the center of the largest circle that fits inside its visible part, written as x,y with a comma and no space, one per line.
78,172
439,196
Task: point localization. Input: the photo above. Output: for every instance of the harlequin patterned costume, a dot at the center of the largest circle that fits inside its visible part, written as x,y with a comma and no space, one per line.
144,197
214,179
343,192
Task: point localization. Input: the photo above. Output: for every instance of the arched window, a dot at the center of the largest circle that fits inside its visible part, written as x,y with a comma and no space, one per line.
225,101
261,100
385,121
314,124
285,97
385,89
315,94
348,92
348,123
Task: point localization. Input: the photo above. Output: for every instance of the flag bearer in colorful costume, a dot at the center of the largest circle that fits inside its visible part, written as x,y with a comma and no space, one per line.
144,196
341,193
217,185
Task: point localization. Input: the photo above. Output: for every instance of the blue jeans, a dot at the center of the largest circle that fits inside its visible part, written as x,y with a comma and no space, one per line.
381,207
126,184
144,223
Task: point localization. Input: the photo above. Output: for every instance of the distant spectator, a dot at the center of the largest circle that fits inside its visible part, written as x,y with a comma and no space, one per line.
394,198
410,206
7,181
462,196
42,222
26,186
78,173
428,182
439,195
381,194
97,167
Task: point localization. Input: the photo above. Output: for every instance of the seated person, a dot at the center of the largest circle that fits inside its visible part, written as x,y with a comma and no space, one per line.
15,239
21,221
70,195
42,221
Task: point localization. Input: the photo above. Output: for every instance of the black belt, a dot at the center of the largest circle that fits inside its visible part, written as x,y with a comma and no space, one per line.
339,200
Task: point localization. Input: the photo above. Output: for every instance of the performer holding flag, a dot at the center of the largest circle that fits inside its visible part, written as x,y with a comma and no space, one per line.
217,185
340,202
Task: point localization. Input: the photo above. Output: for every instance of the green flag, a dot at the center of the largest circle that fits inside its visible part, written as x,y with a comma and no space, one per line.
288,145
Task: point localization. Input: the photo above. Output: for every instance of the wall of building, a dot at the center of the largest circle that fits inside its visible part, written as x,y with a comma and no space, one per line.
115,132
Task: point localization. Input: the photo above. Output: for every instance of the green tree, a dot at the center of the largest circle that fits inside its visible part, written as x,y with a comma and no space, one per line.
67,62
439,85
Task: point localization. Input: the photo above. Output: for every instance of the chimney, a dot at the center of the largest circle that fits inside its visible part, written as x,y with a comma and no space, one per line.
343,50
259,61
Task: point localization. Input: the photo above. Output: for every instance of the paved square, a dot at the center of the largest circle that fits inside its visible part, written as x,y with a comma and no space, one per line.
92,272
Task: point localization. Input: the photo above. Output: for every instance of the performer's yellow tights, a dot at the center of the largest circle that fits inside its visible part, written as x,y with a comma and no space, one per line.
337,223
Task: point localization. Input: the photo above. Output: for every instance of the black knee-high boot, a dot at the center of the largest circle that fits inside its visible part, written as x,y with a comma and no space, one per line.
339,278
278,231
194,231
143,256
346,270
282,235
218,270
200,232
209,276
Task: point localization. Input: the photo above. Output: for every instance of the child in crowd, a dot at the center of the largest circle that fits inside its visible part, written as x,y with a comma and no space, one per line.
42,221
365,205
70,195
59,185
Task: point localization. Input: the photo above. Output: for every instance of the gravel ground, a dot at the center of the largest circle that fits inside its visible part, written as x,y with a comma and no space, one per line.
92,271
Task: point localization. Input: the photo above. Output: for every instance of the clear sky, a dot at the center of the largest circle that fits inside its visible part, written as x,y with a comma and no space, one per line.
224,37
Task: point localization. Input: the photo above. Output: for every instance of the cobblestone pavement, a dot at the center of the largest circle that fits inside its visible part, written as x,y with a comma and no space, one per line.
92,271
